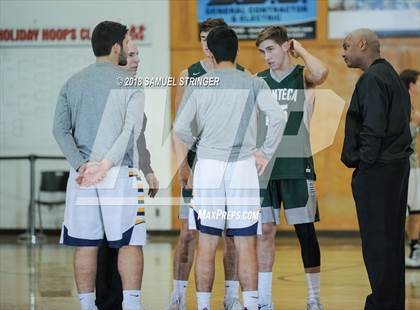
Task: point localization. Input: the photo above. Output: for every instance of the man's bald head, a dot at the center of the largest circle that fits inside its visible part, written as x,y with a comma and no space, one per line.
368,37
361,47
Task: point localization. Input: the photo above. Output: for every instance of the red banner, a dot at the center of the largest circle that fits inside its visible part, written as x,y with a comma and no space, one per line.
78,35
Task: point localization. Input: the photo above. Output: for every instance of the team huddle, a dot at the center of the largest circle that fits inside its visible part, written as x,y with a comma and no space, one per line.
242,149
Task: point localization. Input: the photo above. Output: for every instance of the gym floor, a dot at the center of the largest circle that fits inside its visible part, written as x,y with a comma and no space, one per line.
42,277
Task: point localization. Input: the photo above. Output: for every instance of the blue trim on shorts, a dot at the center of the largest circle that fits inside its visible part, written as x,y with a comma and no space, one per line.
72,241
125,240
206,229
246,231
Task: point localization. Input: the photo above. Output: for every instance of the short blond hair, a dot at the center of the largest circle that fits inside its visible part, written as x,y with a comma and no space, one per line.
276,33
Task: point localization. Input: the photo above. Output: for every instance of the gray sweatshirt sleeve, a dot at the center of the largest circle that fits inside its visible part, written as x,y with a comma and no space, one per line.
62,131
133,123
185,116
277,117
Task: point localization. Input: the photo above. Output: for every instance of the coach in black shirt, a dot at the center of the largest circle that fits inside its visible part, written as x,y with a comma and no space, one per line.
377,143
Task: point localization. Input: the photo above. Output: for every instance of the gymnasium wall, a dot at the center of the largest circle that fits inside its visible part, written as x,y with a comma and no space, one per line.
333,186
31,75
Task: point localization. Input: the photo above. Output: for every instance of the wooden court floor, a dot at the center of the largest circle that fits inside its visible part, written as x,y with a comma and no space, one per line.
43,278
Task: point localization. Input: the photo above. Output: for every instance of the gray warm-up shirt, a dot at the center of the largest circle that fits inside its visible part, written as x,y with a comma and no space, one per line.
226,116
97,119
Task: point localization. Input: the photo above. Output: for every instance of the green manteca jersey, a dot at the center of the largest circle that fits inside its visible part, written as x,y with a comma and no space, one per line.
293,157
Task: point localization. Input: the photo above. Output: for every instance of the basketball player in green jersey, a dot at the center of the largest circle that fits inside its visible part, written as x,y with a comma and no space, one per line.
290,176
184,252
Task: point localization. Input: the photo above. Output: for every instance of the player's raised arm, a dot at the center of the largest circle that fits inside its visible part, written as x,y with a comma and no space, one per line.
315,70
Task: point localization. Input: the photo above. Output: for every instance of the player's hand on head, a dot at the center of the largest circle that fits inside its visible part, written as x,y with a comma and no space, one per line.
295,48
153,183
260,162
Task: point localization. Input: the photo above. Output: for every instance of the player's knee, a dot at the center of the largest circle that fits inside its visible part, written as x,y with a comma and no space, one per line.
131,250
268,231
266,239
187,237
244,244
305,231
309,245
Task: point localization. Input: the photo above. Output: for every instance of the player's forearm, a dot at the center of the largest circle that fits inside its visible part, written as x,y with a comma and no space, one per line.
318,72
181,150
277,119
276,125
67,145
65,140
273,138
62,131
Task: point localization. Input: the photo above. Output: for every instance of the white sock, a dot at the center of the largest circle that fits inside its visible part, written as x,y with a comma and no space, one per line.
231,290
203,300
131,300
264,287
313,282
250,300
87,301
179,290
